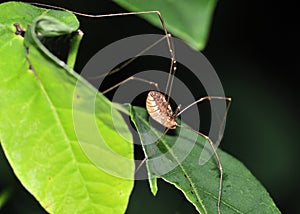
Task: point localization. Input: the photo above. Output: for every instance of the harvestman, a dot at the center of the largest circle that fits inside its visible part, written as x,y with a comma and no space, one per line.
157,104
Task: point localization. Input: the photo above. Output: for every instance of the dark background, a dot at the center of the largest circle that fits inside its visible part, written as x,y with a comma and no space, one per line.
253,46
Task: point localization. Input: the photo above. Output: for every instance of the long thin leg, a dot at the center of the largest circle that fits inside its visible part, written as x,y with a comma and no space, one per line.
131,78
151,150
172,53
172,71
202,99
209,140
218,161
170,81
130,60
167,36
223,123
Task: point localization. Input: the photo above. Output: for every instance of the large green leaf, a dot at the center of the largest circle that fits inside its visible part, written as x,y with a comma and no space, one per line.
242,193
189,20
70,158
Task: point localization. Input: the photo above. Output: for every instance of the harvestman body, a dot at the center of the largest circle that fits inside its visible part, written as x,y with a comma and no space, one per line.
157,105
160,110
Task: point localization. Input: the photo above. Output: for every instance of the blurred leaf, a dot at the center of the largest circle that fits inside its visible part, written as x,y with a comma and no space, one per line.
4,196
176,160
69,157
188,20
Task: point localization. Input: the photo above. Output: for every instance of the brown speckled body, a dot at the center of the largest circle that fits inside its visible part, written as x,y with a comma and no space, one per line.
160,110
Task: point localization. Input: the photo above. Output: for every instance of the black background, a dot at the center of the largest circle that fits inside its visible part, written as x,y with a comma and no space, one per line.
253,46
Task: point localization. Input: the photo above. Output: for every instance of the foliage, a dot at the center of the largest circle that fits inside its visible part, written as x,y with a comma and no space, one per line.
50,142
193,28
37,126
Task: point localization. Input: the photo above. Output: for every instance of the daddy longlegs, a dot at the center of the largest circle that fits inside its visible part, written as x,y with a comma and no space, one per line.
157,103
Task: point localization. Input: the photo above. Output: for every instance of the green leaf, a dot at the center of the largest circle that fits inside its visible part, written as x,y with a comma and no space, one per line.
188,20
4,196
176,160
56,130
